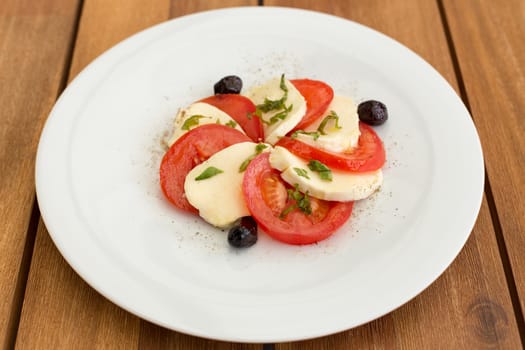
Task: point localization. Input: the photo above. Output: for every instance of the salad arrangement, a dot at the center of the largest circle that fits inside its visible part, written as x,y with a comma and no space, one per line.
288,156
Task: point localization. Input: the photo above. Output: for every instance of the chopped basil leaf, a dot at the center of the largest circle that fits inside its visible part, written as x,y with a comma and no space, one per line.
314,134
208,172
331,116
245,164
260,147
286,211
282,84
275,105
302,172
302,202
192,121
231,124
272,105
258,150
324,172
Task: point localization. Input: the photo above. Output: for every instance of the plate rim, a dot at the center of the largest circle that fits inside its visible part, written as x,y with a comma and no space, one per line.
100,289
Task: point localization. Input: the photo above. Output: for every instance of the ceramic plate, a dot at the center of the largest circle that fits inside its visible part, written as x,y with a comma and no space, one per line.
98,188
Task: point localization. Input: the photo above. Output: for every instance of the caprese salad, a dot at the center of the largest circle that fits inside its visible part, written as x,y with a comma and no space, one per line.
287,156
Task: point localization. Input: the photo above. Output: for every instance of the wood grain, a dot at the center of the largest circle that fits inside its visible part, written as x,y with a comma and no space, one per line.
469,306
489,38
35,38
60,310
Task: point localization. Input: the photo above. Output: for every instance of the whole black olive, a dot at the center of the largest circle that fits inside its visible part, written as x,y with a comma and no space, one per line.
244,234
230,84
372,112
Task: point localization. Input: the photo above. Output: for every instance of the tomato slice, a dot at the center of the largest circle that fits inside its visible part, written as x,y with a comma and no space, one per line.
239,108
189,150
266,198
318,96
369,154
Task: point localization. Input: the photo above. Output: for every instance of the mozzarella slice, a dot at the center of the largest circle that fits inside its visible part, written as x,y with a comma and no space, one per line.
335,139
200,113
219,198
272,91
345,186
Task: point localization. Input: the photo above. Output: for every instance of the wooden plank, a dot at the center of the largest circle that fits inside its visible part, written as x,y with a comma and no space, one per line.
60,310
489,38
469,305
35,39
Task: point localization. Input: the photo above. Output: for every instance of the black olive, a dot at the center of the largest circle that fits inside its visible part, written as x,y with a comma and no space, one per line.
231,84
372,112
244,234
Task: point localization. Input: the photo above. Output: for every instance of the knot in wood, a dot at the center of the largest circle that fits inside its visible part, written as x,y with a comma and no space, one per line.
487,320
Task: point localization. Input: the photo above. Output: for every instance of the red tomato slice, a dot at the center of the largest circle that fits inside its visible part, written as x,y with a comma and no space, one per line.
266,198
239,107
189,150
318,96
369,154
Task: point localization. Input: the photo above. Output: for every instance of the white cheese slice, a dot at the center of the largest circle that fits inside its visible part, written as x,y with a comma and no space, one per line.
335,139
271,90
345,186
219,198
202,113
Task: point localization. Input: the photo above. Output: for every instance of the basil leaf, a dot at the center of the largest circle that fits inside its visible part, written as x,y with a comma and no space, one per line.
192,121
302,172
231,124
275,105
260,147
302,202
258,150
314,134
324,172
331,116
208,172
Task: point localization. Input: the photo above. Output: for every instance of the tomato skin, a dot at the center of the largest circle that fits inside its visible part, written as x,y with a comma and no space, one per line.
369,154
296,227
318,96
189,150
239,107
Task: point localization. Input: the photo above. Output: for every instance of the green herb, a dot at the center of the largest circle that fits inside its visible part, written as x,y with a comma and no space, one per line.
324,172
260,147
231,124
286,211
331,116
218,121
281,115
314,134
208,172
275,105
192,121
302,172
282,84
258,150
302,202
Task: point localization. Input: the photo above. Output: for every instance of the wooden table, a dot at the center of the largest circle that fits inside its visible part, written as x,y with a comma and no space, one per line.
477,45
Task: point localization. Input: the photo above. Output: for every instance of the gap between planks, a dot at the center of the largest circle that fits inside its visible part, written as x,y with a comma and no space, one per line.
23,273
502,248
32,227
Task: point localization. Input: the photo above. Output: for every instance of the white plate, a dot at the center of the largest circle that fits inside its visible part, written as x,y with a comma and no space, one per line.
98,189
